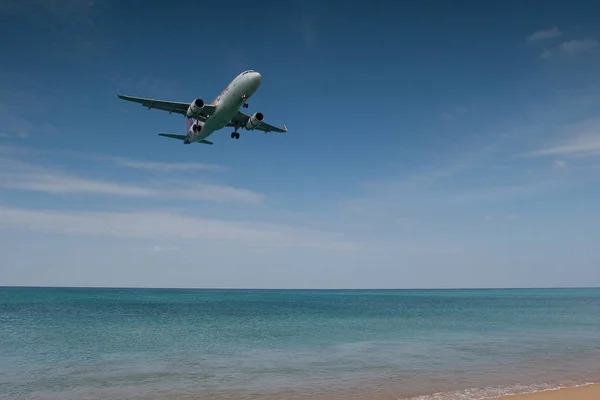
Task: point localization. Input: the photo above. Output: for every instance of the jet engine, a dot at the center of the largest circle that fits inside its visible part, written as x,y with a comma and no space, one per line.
255,120
195,108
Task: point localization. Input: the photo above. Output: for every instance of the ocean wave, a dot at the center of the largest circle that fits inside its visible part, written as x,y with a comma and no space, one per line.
494,392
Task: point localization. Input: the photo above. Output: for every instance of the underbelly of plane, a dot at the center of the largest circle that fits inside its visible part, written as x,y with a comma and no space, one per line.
222,116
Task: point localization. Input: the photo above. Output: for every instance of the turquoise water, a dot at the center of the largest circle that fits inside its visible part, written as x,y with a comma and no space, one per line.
151,344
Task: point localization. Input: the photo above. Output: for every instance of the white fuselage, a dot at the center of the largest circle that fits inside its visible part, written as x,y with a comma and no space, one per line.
227,105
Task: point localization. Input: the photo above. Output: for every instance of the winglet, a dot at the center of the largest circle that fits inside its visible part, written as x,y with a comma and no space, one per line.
284,127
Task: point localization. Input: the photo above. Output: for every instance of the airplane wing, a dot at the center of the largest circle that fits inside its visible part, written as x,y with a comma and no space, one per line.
241,118
170,106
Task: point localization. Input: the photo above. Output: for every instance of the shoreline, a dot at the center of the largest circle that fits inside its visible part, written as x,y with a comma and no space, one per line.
590,391
582,390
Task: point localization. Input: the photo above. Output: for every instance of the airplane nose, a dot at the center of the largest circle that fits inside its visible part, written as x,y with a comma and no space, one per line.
257,78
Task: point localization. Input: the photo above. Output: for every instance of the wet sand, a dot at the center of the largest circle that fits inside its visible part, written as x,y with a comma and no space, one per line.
590,392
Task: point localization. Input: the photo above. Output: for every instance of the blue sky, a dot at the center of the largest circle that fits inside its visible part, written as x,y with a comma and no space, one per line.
430,145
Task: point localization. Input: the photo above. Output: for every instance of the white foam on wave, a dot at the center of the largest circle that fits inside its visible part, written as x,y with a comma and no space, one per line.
495,392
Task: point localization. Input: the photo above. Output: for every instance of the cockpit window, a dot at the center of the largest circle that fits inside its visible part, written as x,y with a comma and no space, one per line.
245,72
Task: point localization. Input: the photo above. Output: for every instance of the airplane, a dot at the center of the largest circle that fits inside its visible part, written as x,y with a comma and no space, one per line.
205,119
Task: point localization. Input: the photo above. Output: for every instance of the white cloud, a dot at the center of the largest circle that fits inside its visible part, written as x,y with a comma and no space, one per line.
217,193
62,183
577,146
14,124
544,34
450,114
509,217
164,249
471,182
125,162
500,192
416,201
66,184
546,54
583,140
165,226
166,166
11,151
559,164
20,175
571,47
512,217
578,46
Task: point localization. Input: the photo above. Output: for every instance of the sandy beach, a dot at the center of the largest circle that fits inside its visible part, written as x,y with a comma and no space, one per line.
590,392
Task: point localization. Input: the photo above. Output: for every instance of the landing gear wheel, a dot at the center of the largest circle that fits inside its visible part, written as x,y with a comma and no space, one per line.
245,105
237,135
233,134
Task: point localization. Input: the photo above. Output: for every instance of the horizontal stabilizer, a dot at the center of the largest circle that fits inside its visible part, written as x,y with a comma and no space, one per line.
172,136
182,137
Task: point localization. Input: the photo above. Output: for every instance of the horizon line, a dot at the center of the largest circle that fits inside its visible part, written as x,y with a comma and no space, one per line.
293,289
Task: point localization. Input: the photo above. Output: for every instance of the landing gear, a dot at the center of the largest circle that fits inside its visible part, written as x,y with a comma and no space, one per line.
235,133
245,105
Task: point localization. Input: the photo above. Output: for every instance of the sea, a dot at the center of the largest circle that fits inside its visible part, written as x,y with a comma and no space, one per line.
87,343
